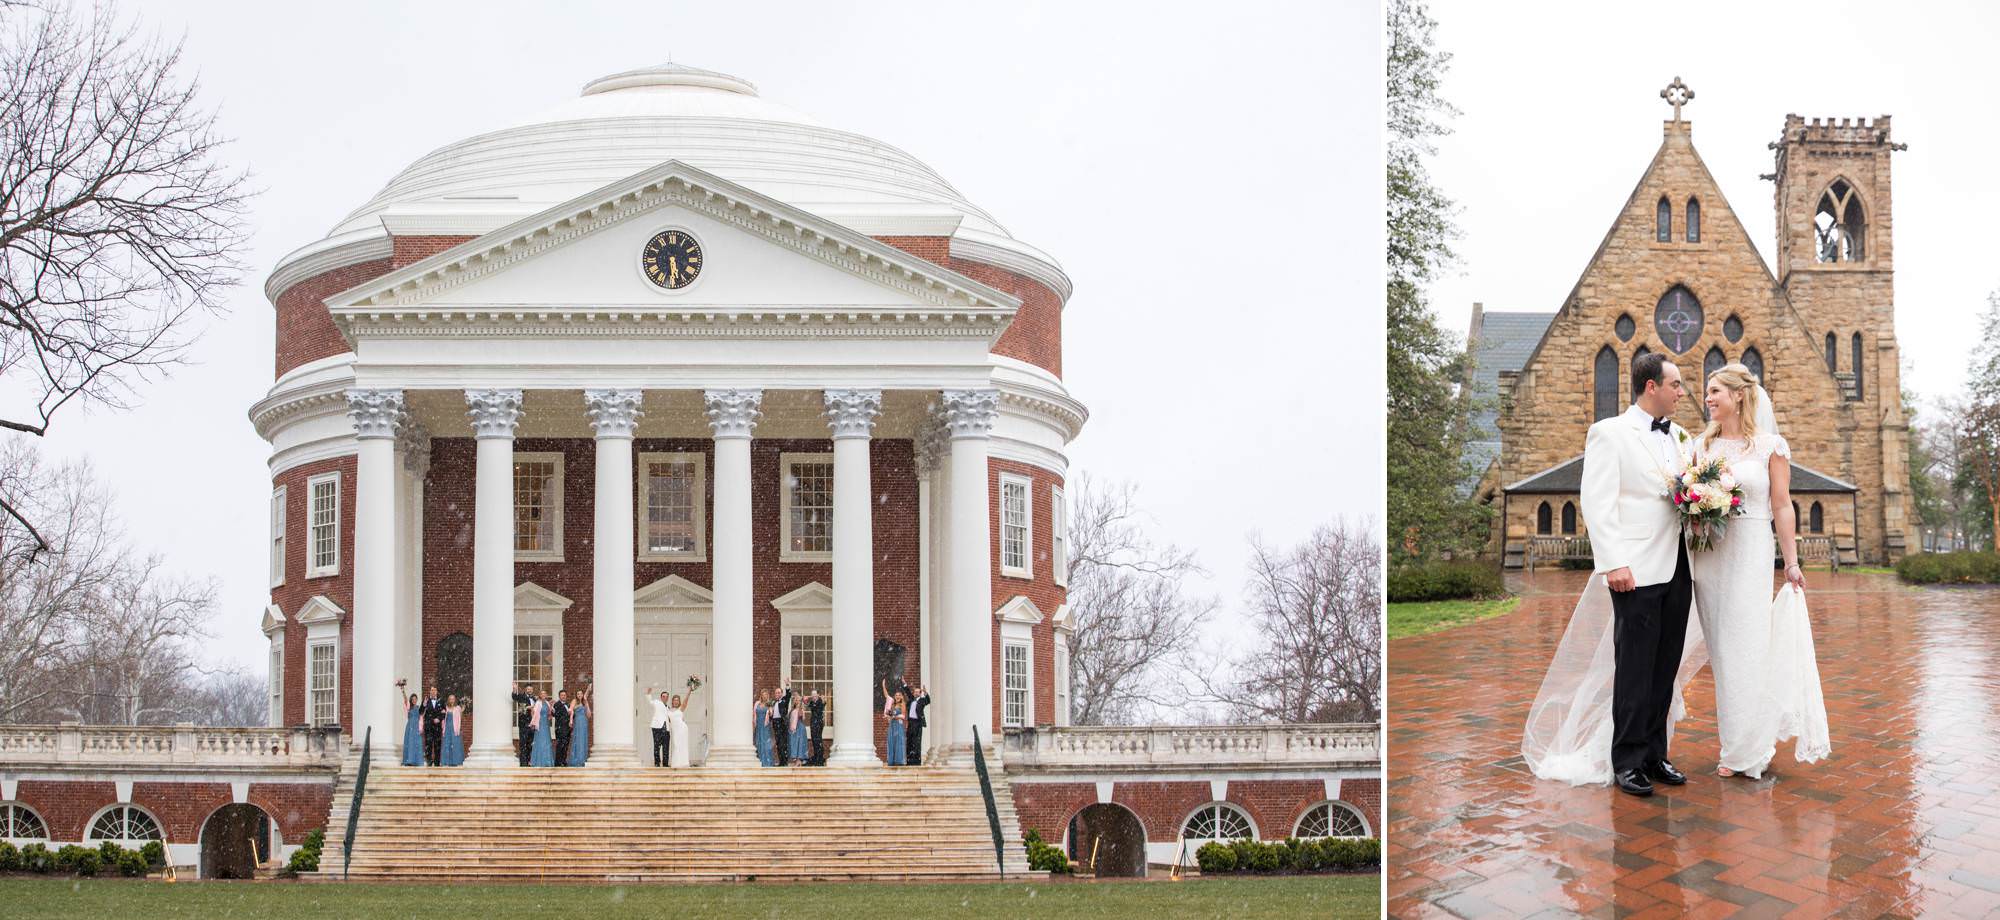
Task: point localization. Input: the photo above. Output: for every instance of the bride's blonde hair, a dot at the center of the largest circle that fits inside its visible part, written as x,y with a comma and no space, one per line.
1742,384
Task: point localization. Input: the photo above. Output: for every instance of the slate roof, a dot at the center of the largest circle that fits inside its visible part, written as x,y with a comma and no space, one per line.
1503,341
1566,478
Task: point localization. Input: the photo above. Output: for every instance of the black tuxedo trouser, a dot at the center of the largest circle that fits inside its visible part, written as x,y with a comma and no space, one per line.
527,744
433,745
1648,633
661,738
914,750
562,749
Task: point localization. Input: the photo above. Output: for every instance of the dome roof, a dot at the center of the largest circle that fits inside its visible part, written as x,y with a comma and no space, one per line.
628,122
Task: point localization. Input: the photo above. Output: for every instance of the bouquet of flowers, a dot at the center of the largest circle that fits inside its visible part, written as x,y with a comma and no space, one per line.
1707,496
694,682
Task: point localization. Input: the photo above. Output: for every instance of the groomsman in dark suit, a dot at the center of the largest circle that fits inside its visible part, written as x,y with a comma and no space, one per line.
781,738
524,710
920,704
431,711
561,728
816,723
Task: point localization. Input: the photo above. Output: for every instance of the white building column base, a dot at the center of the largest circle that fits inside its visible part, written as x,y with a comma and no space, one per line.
607,756
853,755
735,755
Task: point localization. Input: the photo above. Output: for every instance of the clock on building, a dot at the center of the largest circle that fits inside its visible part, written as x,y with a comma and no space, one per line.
671,259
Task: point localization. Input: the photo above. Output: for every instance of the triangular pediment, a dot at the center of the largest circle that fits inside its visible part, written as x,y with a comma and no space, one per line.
810,596
1064,619
321,609
530,596
274,619
1019,610
583,258
673,591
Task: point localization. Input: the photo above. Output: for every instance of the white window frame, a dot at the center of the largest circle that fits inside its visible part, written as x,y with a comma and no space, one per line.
645,511
1058,537
90,828
312,546
333,682
44,822
1027,656
1018,619
785,478
1027,486
274,678
806,611
555,659
278,536
555,553
1367,829
1061,671
1182,829
539,612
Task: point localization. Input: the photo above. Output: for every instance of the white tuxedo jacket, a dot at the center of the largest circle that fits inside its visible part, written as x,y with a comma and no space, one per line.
1626,466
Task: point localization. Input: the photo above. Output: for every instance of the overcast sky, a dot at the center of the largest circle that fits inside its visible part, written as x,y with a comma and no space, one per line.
1211,185
1561,114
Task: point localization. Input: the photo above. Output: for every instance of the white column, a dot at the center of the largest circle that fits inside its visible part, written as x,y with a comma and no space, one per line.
934,453
968,611
851,415
732,414
614,414
413,442
494,414
376,414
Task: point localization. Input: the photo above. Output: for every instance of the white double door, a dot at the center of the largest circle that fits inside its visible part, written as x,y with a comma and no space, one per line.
666,657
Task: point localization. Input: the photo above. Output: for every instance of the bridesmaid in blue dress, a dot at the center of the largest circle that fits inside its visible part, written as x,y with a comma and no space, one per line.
762,728
898,747
798,745
542,754
579,733
453,754
413,735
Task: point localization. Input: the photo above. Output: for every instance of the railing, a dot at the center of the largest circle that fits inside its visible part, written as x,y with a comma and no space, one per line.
354,807
168,746
1818,550
1248,746
992,807
1557,548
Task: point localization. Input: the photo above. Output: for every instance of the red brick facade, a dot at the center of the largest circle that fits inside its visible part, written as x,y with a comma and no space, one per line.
291,597
305,329
1041,589
1274,805
1035,336
67,806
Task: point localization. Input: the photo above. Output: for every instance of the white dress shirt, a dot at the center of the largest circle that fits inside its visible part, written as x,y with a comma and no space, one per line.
659,713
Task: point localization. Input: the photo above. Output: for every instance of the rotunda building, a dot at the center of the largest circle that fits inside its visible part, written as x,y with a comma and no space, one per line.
669,383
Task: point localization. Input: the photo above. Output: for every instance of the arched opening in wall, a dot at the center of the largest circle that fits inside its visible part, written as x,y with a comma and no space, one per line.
1753,360
1111,834
1569,519
1331,819
1216,821
235,840
1816,523
1694,221
1839,226
1832,352
1542,518
1604,385
20,825
1625,327
1663,221
1710,363
1857,366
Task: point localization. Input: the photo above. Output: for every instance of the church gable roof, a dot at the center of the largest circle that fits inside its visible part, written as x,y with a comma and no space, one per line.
1566,478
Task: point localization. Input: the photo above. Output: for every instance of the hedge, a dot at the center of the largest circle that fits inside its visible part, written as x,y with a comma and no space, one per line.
71,859
1966,568
1045,858
1445,581
1325,854
306,857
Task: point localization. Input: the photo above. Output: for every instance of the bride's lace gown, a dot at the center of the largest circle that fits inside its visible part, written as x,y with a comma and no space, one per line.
1760,651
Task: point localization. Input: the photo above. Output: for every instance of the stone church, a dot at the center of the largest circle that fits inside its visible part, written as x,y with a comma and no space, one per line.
1677,273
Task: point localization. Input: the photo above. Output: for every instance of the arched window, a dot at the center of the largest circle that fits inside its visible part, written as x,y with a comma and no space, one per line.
1331,819
1796,516
1754,360
19,823
1839,226
1694,221
1542,519
1710,363
1857,366
1217,821
1663,221
1732,329
1604,385
125,824
1677,319
1624,327
1817,523
1832,352
1569,519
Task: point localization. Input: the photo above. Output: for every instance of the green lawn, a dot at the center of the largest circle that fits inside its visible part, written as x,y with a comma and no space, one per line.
1416,619
1277,897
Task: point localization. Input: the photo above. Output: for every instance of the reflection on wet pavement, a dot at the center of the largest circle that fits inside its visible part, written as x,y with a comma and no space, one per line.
1902,820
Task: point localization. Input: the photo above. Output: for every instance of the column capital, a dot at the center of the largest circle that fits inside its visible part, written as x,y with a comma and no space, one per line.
933,443
376,413
733,413
613,413
969,413
413,441
494,413
851,413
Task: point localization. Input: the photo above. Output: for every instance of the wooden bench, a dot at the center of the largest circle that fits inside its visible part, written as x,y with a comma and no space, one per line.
1817,551
1551,548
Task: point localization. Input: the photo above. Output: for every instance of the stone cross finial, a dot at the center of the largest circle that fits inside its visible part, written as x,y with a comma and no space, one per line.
1677,94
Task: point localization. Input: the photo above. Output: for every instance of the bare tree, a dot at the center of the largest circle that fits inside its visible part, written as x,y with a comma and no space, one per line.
1316,609
1135,616
118,222
229,699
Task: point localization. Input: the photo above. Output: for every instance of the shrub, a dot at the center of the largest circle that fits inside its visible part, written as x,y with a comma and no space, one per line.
1302,855
37,858
131,864
155,854
1443,581
1349,854
109,851
306,857
89,862
66,858
1215,858
10,857
1045,858
1966,568
1266,857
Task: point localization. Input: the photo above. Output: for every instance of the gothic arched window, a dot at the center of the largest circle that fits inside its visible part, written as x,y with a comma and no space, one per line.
1543,519
1818,520
1732,329
1677,319
1694,221
1569,518
1839,226
1663,221
1857,365
1832,352
1624,327
1710,363
1604,385
1754,360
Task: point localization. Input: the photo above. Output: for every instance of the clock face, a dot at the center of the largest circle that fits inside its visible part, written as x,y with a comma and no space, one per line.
671,259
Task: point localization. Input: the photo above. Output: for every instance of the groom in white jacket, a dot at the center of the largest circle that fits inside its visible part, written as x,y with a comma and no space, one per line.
1635,537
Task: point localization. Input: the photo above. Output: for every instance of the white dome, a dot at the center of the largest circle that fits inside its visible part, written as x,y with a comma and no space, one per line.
632,121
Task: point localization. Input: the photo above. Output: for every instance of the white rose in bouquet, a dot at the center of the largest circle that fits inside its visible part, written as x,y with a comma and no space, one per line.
1727,482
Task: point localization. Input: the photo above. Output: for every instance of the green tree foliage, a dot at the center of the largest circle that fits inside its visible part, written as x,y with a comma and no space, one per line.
1980,422
1426,514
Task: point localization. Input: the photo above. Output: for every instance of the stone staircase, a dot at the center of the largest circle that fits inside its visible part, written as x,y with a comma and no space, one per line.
642,825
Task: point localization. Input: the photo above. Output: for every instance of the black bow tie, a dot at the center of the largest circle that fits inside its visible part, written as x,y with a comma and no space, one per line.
1663,425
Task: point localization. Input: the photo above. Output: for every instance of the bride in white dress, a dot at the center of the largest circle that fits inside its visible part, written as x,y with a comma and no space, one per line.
677,741
1766,676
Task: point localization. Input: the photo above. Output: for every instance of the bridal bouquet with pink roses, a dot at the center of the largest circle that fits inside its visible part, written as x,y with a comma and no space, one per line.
1707,496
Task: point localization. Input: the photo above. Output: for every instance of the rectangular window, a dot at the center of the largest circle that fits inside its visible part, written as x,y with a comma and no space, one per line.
535,662
673,497
323,518
1062,682
538,511
275,678
812,668
322,677
1058,537
278,536
1016,672
1014,522
808,507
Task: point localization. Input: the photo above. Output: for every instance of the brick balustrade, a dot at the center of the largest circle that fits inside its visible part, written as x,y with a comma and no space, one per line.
172,747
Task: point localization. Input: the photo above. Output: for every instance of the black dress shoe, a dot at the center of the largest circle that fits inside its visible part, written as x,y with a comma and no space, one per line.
1664,772
1634,782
